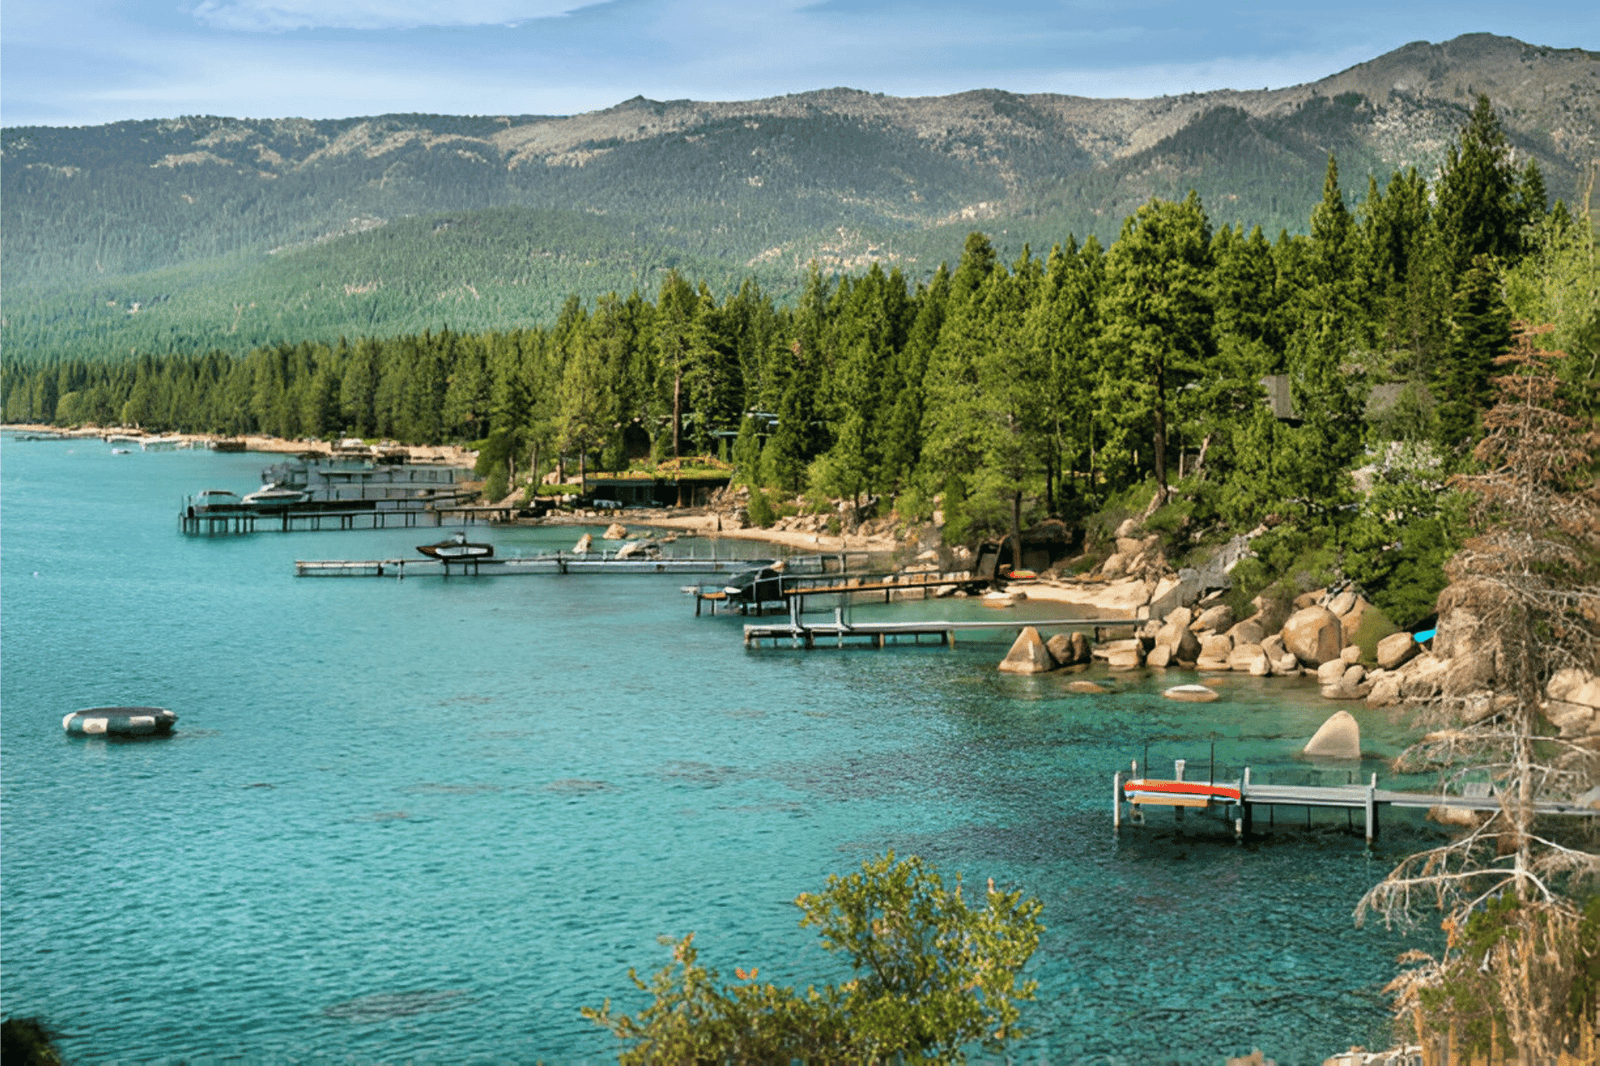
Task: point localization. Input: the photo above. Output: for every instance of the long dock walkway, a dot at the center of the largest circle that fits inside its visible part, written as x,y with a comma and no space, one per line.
1239,800
554,563
839,633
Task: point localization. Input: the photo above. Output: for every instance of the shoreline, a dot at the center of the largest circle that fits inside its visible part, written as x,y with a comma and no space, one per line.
1125,596
418,453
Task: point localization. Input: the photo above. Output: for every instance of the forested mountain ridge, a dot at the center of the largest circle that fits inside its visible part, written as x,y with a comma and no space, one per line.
168,234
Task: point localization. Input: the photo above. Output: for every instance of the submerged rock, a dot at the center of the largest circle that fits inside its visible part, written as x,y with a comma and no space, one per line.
1192,694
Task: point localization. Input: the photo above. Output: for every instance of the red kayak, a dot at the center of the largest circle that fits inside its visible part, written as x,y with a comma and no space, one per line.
1179,793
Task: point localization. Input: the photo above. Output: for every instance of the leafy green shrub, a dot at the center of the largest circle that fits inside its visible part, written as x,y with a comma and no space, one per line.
28,1042
933,975
1171,516
1118,508
1374,626
913,505
497,486
1288,561
760,510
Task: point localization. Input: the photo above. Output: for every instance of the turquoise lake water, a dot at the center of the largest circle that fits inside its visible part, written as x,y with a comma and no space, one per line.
426,821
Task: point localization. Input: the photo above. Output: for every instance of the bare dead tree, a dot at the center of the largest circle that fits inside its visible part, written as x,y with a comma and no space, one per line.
1531,575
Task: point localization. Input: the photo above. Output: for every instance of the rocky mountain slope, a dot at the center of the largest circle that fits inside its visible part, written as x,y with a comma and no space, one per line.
755,187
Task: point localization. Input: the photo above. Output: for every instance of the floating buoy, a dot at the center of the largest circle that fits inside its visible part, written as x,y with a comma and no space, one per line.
120,721
1192,693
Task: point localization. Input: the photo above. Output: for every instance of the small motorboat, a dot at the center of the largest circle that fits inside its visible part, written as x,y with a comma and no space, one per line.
456,546
275,495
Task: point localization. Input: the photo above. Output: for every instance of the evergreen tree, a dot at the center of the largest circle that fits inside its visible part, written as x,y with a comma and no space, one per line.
1481,334
1061,328
952,414
1156,319
1480,206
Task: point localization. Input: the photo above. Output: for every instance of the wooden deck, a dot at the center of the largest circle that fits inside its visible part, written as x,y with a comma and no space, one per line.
509,566
839,633
1367,798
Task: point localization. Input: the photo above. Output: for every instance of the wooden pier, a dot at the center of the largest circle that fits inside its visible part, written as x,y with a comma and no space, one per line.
216,522
787,591
507,566
839,634
1239,800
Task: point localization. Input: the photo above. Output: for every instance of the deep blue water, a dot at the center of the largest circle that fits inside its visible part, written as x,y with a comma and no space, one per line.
426,821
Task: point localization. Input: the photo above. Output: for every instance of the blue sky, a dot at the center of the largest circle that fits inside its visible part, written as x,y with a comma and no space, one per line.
81,62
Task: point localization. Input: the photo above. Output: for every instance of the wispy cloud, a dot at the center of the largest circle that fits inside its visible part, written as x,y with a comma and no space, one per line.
281,15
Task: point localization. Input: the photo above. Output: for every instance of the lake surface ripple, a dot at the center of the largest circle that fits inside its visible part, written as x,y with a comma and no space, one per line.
426,821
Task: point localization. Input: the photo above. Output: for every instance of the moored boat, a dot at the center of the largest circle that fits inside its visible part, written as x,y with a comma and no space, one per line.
212,500
456,546
275,495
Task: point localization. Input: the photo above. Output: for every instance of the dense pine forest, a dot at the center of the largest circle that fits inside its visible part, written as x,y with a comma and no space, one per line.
1242,380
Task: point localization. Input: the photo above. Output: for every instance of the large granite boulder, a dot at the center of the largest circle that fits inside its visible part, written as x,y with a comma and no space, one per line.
1028,655
1069,649
1247,632
585,545
1422,677
1160,655
1314,635
1218,619
1284,663
615,531
1215,651
1338,738
1396,650
1385,690
1177,638
1331,671
1125,655
1249,659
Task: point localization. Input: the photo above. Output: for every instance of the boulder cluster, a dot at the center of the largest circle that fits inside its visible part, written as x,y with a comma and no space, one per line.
1354,652
1318,637
1032,654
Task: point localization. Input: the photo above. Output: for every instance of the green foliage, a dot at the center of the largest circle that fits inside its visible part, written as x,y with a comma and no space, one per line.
28,1042
1405,532
1287,561
932,975
1509,952
760,509
1374,626
497,486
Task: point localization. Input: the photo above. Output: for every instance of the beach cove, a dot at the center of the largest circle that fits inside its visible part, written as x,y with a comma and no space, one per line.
426,821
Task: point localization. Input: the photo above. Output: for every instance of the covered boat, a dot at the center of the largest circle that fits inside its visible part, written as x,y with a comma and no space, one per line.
120,721
214,500
275,495
456,546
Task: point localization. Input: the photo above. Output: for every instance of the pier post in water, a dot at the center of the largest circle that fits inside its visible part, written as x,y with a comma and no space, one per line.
1372,810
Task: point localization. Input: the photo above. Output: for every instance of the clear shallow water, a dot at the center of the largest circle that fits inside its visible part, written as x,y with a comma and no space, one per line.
427,821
